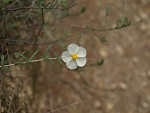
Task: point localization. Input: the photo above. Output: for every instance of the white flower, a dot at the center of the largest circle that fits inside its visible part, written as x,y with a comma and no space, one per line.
74,56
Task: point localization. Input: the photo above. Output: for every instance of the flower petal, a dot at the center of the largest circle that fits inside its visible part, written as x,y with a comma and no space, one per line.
73,48
66,57
72,64
81,61
81,52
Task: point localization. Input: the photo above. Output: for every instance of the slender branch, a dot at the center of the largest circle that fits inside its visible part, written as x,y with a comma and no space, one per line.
53,5
100,30
4,19
11,101
42,24
69,7
22,8
60,23
59,3
32,61
67,106
25,42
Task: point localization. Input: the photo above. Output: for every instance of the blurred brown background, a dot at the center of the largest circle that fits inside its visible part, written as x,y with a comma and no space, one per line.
120,85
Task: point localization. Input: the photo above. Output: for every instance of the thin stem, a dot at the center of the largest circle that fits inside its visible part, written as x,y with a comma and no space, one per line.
15,9
67,106
43,21
32,61
99,30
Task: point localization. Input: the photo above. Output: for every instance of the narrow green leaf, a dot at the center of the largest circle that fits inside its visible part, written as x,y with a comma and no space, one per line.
65,3
122,19
33,55
18,58
83,10
46,50
6,69
19,63
129,23
50,60
100,62
102,39
59,60
21,55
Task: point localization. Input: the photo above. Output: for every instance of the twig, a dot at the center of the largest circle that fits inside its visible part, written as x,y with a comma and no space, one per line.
25,42
60,24
4,20
59,3
1,83
17,110
69,7
100,30
43,21
67,106
39,60
23,8
11,101
53,5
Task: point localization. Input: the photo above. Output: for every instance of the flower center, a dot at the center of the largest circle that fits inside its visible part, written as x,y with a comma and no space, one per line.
74,56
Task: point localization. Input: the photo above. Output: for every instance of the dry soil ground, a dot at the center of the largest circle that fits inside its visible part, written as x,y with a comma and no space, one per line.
120,85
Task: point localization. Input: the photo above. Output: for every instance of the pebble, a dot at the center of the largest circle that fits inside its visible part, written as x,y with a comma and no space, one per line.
104,53
110,106
135,59
123,86
145,105
120,50
97,104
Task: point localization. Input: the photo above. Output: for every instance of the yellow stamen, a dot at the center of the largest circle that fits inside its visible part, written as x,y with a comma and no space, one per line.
74,56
